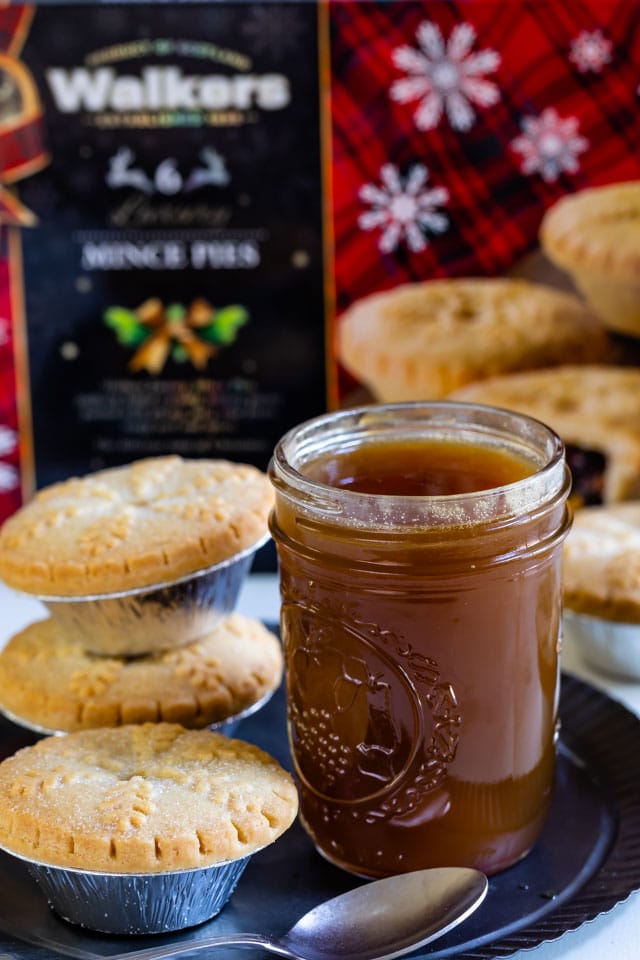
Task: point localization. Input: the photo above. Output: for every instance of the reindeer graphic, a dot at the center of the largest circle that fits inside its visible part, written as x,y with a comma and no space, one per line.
213,173
121,174
167,178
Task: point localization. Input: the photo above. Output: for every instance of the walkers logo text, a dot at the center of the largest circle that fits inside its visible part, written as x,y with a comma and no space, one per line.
166,95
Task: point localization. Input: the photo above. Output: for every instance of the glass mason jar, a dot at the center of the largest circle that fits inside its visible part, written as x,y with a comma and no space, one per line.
421,637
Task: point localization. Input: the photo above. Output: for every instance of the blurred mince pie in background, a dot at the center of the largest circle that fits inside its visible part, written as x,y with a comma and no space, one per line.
420,341
594,408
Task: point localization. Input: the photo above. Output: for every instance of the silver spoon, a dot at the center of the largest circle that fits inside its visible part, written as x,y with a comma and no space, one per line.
376,921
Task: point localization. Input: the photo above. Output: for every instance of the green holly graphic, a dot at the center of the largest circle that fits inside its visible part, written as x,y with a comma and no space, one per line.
188,334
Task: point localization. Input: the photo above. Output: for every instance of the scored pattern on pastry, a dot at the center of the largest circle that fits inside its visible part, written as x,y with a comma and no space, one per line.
592,407
54,684
150,522
420,341
141,799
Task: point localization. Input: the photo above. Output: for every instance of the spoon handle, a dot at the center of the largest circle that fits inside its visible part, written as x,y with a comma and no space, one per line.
194,946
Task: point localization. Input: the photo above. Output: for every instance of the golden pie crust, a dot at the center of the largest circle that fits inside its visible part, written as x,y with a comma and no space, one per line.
597,230
602,563
593,407
420,341
143,798
50,682
152,521
594,235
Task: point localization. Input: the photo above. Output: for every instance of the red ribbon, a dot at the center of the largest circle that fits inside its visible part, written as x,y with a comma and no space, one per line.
22,150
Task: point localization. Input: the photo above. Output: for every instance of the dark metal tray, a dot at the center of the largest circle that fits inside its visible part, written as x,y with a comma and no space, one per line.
587,860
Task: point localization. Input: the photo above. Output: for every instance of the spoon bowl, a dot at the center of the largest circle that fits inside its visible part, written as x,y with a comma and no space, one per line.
379,920
389,917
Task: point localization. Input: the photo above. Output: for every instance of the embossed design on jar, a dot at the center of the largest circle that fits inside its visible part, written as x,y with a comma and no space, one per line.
373,724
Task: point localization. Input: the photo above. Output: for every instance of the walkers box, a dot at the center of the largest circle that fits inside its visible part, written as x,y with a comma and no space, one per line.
196,198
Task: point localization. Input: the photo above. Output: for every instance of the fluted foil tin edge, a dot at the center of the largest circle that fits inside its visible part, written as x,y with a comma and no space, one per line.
610,647
134,904
159,617
229,725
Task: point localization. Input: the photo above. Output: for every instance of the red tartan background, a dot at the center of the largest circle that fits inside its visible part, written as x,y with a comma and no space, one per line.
494,210
9,499
14,22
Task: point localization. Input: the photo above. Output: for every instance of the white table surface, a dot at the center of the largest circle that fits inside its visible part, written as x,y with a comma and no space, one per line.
611,936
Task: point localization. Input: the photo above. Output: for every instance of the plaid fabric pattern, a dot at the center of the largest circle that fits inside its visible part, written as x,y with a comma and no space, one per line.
473,170
576,65
10,493
14,24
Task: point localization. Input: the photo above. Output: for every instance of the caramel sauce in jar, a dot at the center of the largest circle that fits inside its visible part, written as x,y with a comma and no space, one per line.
419,549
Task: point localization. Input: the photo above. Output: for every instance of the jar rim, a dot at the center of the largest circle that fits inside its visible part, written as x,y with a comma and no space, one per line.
336,430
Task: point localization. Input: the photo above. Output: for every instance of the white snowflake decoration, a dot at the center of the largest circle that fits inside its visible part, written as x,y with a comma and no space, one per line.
445,77
590,51
8,440
402,209
8,478
549,145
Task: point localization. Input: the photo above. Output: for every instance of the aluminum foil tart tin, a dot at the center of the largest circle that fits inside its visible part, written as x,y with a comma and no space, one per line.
28,725
606,645
159,617
125,903
229,726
